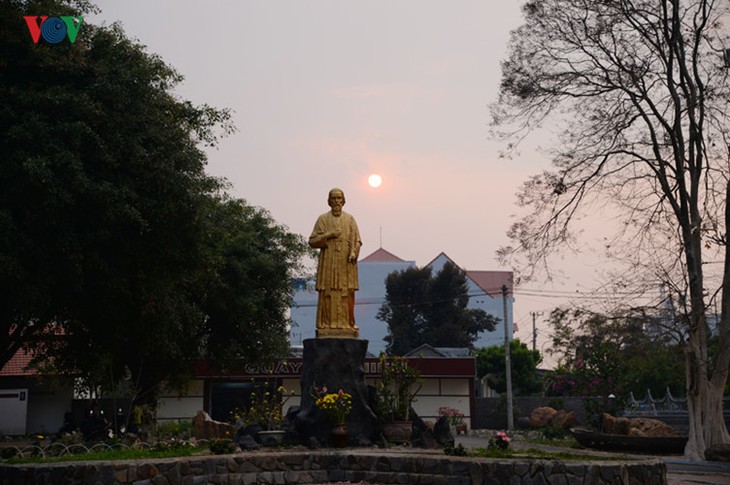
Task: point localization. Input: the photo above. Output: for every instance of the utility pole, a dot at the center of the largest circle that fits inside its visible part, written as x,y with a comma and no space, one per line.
534,332
507,361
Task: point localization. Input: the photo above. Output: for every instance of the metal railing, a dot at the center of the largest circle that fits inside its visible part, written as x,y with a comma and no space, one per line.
649,406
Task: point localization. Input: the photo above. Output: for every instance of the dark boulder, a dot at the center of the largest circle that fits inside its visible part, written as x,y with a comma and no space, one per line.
335,363
442,432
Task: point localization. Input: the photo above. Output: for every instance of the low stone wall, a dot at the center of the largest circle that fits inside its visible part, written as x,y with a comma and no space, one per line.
368,466
491,412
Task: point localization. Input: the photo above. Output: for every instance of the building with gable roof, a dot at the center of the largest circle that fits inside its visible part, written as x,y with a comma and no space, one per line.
29,404
484,293
372,271
426,350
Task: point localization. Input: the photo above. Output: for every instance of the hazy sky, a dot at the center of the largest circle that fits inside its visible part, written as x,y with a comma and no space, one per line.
325,93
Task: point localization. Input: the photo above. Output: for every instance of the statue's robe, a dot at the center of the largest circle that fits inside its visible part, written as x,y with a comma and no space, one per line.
336,277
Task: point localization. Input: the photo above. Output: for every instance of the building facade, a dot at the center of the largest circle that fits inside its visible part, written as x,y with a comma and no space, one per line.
485,292
448,381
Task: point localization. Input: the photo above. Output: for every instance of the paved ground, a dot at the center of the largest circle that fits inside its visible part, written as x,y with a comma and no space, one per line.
679,470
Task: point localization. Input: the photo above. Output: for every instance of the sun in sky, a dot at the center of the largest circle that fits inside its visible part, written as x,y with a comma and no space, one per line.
375,180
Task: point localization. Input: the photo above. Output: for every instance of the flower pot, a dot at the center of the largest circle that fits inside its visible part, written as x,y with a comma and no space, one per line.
272,438
339,435
397,431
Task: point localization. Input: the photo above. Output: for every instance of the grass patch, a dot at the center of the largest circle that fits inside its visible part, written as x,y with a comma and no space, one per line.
567,442
539,455
115,454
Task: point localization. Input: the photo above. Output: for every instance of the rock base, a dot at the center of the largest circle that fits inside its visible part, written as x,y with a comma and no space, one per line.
637,427
352,332
206,428
334,363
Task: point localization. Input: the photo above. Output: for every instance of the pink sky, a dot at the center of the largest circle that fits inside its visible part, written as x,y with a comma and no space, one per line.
324,93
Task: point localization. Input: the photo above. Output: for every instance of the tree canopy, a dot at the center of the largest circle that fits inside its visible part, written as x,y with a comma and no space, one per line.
635,94
119,255
524,362
421,308
601,354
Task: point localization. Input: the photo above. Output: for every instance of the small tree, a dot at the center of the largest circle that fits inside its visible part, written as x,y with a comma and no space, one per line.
421,309
603,355
524,362
399,384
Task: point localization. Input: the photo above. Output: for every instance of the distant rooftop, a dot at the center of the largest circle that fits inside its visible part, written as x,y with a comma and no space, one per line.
492,281
382,256
17,365
489,281
426,350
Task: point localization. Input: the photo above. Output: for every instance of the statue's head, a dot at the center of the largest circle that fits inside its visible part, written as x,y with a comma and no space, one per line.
336,198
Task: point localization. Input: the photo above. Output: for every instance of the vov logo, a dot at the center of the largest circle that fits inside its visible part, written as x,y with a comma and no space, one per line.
53,29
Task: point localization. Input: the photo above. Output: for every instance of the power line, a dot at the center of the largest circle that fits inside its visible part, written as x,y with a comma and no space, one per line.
517,292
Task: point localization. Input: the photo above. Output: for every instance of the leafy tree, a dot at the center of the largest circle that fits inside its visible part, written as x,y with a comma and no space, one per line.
523,361
249,293
117,250
601,355
636,93
403,310
592,350
421,308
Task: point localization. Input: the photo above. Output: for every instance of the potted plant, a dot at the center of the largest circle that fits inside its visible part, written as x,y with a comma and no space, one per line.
399,384
265,410
455,418
337,407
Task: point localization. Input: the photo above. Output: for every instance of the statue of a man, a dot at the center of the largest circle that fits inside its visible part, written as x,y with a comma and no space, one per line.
336,235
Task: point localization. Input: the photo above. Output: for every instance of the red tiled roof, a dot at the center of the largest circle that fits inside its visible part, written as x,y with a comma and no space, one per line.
492,281
16,366
489,281
382,256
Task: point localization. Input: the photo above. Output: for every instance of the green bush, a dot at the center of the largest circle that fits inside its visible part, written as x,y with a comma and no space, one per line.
556,403
7,453
222,446
175,429
451,450
551,433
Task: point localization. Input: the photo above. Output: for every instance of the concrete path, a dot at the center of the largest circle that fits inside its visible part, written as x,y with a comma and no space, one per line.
680,471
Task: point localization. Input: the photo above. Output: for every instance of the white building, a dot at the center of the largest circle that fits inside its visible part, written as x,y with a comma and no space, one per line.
448,380
484,293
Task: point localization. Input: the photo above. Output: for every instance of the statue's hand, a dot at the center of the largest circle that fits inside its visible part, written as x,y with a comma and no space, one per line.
352,258
333,234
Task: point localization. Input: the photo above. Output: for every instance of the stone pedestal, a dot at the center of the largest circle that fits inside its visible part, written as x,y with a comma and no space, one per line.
335,363
349,332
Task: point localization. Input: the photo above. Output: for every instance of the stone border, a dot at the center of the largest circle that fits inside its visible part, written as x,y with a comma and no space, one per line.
321,466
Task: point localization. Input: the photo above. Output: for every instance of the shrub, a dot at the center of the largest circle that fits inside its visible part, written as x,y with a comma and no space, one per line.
222,446
395,394
453,415
452,450
500,441
551,433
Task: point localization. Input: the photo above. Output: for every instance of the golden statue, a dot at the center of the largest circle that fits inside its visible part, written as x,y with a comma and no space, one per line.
336,235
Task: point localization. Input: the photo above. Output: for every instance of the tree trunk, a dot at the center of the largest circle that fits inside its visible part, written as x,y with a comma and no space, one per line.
706,384
706,421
